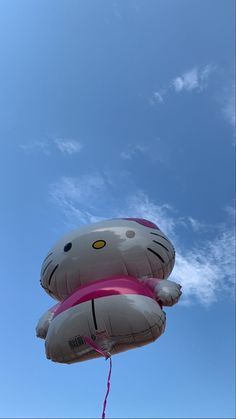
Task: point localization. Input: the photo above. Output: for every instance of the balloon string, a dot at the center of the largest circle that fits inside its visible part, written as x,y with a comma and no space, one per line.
108,389
107,355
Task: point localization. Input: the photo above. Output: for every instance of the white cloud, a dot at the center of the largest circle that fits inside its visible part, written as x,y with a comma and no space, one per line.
157,97
139,205
154,150
64,145
193,79
205,73
131,151
231,212
76,198
116,9
190,222
68,146
229,106
188,81
126,155
205,268
36,146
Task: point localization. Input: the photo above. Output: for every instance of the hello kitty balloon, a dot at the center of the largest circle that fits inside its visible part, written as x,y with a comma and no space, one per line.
110,280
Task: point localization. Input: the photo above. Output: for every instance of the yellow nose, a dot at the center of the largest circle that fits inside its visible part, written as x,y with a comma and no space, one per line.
99,244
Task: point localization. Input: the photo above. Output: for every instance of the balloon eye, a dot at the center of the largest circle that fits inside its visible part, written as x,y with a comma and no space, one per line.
67,247
99,244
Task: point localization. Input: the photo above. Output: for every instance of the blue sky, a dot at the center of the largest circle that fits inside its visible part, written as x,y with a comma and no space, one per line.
107,109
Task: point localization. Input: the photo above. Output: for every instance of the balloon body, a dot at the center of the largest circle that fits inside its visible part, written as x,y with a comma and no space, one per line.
110,279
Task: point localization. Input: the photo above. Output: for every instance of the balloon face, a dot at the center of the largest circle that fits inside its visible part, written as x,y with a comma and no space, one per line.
115,247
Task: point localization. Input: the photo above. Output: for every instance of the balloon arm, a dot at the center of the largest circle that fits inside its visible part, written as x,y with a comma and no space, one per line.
44,322
166,292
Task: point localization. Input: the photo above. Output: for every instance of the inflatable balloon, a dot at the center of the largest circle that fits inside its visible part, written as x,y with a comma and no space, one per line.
110,279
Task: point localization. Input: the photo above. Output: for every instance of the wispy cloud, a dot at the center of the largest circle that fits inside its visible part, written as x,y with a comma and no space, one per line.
188,81
228,106
36,146
154,150
193,79
68,146
157,97
77,198
116,9
139,205
231,212
205,268
63,145
132,150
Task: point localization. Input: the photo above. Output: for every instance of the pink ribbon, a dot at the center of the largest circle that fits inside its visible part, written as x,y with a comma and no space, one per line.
108,389
106,355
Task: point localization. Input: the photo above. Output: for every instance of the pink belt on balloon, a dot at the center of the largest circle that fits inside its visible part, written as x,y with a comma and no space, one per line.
119,285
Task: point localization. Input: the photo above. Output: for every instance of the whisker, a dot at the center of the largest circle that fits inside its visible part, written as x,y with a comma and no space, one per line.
52,274
160,244
49,263
159,235
159,257
42,285
47,257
